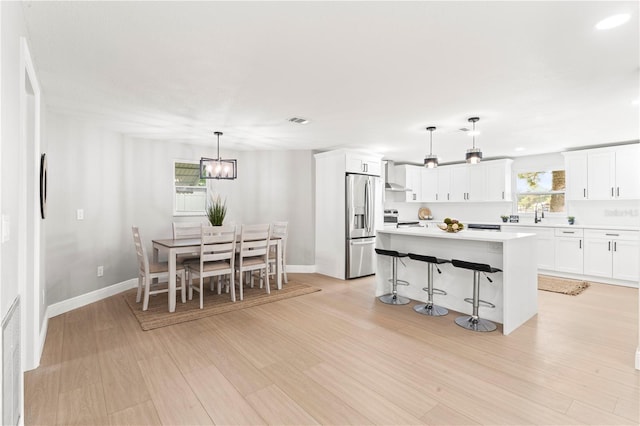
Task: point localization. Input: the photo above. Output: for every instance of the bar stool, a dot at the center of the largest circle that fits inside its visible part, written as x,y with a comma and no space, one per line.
429,308
473,322
393,298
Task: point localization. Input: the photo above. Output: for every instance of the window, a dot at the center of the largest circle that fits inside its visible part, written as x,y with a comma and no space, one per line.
190,192
544,189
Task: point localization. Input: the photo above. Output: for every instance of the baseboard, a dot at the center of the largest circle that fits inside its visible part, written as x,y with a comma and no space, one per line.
301,269
85,299
43,335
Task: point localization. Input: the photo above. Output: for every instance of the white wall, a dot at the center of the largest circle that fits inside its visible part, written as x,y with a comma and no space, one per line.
120,182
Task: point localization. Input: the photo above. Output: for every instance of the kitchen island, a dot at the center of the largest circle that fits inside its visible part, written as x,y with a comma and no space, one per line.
513,291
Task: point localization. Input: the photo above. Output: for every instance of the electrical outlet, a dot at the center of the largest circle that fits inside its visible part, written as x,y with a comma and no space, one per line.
80,214
100,271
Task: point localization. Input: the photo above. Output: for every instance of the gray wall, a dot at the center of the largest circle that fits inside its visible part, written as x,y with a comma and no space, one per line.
120,182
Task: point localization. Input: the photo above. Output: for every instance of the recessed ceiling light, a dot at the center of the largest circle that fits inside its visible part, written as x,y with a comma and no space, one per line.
299,120
613,21
518,149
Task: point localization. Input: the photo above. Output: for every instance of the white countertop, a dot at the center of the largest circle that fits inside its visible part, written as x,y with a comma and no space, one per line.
462,235
566,225
545,224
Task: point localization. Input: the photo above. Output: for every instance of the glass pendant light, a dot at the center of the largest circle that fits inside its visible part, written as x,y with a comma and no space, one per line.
217,168
431,160
474,155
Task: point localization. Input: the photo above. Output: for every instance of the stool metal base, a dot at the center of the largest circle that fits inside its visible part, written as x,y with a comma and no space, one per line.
431,310
479,324
394,299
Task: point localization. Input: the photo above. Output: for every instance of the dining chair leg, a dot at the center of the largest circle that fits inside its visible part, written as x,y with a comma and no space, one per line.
266,281
183,286
190,286
240,284
139,295
145,304
202,290
232,285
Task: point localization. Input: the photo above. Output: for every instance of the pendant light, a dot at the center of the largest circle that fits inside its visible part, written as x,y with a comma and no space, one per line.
431,160
474,155
217,168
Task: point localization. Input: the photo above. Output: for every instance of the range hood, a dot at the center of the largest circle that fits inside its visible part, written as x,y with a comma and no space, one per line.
389,185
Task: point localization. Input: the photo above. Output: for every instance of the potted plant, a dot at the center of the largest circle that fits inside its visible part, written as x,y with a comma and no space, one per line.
504,218
216,211
571,220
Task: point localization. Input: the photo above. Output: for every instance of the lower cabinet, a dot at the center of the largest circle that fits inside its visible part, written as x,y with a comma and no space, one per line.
611,254
569,247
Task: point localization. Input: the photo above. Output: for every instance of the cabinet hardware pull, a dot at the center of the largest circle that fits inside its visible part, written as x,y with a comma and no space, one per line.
447,196
503,195
609,249
617,191
615,246
568,232
580,246
612,191
436,197
584,192
612,235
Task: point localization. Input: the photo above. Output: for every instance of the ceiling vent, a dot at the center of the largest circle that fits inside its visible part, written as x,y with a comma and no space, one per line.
298,120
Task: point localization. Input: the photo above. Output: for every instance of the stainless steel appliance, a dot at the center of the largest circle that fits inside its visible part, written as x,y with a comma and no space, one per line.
360,221
483,227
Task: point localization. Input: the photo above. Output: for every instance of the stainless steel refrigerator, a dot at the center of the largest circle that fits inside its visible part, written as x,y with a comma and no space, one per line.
360,225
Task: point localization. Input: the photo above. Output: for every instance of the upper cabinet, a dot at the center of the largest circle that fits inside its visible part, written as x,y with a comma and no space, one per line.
498,183
487,181
357,162
610,173
575,164
411,178
429,185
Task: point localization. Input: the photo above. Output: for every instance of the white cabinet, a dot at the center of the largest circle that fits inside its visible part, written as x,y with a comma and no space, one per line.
575,164
498,180
627,172
487,181
611,254
444,183
429,185
459,183
545,244
356,162
569,247
610,173
468,182
411,177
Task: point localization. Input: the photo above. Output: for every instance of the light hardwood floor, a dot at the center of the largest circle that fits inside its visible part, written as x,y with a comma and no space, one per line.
341,357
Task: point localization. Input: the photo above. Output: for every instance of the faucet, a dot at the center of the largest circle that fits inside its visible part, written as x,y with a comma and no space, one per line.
535,218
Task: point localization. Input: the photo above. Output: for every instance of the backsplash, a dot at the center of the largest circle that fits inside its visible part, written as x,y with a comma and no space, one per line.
614,212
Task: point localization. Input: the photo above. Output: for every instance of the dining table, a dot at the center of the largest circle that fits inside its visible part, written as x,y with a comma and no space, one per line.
174,247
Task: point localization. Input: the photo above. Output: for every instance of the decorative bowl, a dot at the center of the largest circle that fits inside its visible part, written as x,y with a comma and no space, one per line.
451,225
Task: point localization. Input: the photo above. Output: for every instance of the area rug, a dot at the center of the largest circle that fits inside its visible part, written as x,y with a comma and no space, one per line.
561,285
158,316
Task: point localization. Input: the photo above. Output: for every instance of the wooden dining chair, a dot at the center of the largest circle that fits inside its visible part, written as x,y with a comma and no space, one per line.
149,271
280,230
253,253
216,258
187,230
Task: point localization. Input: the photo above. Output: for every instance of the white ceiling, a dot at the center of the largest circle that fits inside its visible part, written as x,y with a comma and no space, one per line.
368,75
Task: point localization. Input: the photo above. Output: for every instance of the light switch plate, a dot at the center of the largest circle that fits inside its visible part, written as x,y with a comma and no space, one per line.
80,214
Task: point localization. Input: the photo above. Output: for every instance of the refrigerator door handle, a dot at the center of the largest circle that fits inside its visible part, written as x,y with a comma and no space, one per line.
369,206
362,243
366,206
